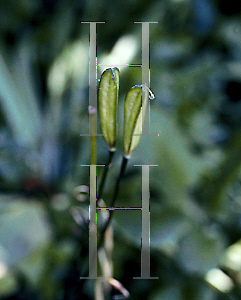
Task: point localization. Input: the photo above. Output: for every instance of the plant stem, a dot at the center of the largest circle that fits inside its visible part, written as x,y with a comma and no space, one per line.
103,179
103,230
112,204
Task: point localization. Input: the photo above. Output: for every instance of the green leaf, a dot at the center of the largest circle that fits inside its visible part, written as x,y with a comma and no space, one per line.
201,250
108,101
18,101
134,111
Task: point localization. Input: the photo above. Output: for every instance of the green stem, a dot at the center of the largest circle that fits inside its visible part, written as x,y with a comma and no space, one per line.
103,179
103,230
112,204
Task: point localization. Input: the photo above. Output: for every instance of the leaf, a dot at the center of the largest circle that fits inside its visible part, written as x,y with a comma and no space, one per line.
134,111
23,229
18,101
201,250
108,101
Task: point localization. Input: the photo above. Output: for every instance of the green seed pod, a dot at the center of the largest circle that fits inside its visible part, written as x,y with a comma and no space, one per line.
108,100
134,110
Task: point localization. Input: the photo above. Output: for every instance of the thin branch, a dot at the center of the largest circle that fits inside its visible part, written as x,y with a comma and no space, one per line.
104,176
111,212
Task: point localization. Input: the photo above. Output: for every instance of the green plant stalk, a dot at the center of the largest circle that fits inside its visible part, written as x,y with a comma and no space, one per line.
103,230
104,176
113,202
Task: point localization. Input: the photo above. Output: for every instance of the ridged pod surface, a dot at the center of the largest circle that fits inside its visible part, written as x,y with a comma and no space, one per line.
134,110
108,100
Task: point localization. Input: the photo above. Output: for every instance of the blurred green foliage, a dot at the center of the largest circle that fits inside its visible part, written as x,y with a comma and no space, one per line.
195,211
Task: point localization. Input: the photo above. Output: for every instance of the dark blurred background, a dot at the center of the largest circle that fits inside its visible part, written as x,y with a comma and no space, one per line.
195,214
